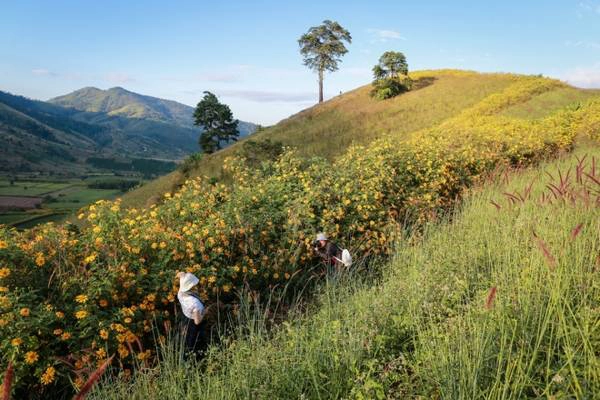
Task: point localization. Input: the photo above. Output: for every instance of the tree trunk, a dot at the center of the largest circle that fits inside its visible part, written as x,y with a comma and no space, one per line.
320,86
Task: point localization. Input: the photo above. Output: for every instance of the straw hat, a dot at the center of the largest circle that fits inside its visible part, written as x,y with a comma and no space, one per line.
322,236
187,281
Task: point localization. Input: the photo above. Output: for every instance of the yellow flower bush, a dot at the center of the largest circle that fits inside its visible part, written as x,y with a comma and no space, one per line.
112,282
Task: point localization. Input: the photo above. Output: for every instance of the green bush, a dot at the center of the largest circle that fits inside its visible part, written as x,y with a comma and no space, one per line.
390,87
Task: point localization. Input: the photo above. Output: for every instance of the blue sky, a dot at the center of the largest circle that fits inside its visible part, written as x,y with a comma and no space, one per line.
246,51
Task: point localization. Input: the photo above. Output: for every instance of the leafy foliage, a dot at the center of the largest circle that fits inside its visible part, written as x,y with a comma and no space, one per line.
391,65
387,88
390,76
217,122
322,48
433,326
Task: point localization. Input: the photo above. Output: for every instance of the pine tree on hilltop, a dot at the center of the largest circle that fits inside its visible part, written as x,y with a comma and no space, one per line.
322,46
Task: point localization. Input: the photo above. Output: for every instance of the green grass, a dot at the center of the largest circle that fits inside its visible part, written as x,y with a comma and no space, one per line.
29,223
429,329
75,197
16,217
70,195
31,188
546,103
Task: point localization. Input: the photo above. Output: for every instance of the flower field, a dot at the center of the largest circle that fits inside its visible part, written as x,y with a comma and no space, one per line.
69,299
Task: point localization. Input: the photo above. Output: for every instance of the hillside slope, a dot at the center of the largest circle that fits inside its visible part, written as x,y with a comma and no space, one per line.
329,128
44,137
117,101
254,233
433,327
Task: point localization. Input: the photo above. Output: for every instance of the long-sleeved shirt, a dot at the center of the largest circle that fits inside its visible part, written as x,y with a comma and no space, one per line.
189,304
328,252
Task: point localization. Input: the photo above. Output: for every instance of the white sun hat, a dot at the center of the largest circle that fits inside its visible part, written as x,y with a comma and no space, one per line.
321,236
187,281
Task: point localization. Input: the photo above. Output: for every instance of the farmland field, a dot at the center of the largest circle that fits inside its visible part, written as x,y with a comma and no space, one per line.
59,199
30,188
22,202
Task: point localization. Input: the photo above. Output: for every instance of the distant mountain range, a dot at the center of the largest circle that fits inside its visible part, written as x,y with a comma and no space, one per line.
121,102
61,135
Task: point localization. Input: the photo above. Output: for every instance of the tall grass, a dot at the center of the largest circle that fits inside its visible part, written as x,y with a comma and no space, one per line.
500,301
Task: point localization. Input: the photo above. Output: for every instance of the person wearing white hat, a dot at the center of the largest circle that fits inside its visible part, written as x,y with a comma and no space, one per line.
328,251
193,310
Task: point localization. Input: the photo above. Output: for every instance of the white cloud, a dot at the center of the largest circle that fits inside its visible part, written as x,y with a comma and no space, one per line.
384,35
264,96
586,77
583,43
228,74
224,77
587,7
43,72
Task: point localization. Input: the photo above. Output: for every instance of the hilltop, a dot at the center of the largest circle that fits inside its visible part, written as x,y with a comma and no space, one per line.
327,129
118,101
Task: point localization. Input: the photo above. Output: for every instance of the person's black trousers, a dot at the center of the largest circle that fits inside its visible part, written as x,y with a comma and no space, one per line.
196,339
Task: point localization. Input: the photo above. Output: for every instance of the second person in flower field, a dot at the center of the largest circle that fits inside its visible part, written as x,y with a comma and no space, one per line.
328,251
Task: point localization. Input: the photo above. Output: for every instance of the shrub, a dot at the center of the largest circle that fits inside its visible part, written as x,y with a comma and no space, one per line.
390,87
71,299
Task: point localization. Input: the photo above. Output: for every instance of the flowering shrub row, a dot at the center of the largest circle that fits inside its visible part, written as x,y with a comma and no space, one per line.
69,300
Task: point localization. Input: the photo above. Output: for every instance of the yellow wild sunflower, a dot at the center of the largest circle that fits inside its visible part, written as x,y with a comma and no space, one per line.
81,298
40,260
48,376
31,357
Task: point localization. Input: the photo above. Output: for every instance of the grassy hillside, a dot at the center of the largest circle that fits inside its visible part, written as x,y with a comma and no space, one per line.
111,282
118,101
500,302
327,129
548,102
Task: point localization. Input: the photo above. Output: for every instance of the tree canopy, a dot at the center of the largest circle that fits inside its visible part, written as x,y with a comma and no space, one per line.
217,121
390,76
391,64
322,48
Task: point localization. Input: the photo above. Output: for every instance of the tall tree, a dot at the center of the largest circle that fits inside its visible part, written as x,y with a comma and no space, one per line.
322,48
217,121
391,63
